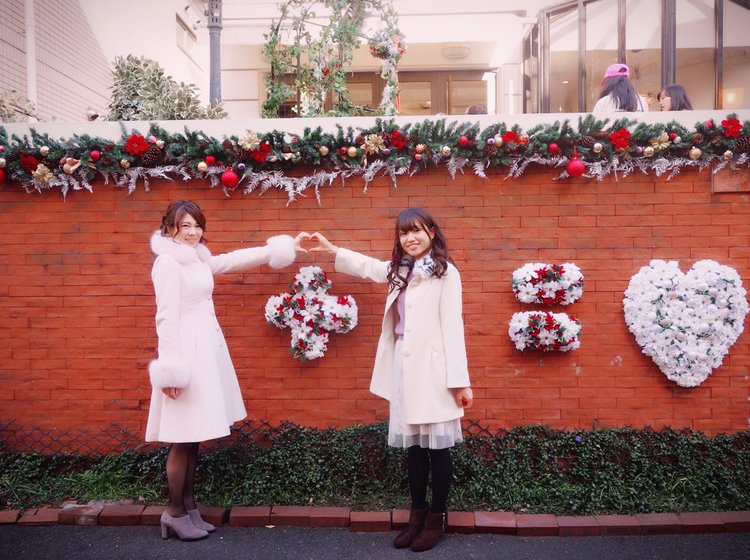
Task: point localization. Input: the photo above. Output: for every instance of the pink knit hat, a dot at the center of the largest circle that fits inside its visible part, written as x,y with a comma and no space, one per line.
615,70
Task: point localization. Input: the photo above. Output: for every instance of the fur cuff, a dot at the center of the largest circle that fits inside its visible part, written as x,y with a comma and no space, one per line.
282,251
166,372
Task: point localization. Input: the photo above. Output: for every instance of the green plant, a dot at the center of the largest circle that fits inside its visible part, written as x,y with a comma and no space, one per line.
14,107
143,91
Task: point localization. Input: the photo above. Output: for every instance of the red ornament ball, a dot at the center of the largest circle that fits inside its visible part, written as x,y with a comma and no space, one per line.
418,157
576,168
210,160
3,176
708,124
343,150
95,155
553,148
463,141
229,178
672,136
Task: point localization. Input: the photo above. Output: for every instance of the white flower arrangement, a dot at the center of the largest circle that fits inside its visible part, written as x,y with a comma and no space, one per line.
686,322
548,283
541,330
311,313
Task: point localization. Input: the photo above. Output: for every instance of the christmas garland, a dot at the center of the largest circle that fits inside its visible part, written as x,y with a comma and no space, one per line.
261,161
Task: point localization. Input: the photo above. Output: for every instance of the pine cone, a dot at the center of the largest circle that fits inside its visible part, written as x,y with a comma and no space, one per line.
587,141
490,150
152,156
601,135
227,144
387,138
697,139
359,140
743,144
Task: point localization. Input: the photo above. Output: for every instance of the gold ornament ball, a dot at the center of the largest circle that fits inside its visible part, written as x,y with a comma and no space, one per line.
648,151
352,151
695,153
124,163
420,148
728,155
67,168
597,147
202,166
44,150
445,150
498,140
323,151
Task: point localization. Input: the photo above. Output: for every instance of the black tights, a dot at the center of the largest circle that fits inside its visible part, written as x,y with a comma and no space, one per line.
181,462
420,463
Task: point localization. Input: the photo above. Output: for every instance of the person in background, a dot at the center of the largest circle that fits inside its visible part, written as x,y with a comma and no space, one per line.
674,98
617,93
476,110
420,364
195,394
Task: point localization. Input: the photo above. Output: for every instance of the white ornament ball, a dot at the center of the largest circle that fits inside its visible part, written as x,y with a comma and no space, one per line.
202,166
498,140
124,163
352,151
2,162
727,155
648,151
695,153
597,147
677,140
323,151
445,150
44,150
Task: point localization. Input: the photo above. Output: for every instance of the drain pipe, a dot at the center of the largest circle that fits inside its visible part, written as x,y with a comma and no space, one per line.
213,15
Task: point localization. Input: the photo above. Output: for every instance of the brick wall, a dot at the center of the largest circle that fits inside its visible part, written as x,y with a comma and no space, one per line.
77,310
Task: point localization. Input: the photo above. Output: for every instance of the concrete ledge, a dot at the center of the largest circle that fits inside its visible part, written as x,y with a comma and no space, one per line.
329,516
736,521
257,516
370,521
536,525
75,514
39,517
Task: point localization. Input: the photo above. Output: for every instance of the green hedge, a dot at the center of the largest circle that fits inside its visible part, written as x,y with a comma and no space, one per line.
528,469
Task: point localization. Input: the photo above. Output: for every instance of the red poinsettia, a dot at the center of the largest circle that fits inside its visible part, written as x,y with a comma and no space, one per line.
136,145
398,141
29,163
261,153
732,127
510,136
620,138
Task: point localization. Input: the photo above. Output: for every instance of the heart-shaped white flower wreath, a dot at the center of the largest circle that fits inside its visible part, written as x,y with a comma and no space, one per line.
686,322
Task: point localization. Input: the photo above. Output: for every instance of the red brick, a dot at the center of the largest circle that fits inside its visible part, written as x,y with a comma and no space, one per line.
370,521
152,515
329,516
461,522
578,526
293,516
736,521
258,516
702,522
41,516
497,522
659,523
79,515
121,515
618,525
400,518
214,515
9,516
536,525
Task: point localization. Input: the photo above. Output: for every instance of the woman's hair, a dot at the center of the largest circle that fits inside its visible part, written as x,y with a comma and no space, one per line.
623,93
408,220
678,95
176,212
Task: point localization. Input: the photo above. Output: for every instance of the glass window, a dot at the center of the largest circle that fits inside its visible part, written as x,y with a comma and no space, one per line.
416,98
563,55
736,92
694,59
601,46
643,48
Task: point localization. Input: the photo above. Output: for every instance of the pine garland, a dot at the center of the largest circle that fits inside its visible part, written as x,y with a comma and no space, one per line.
262,161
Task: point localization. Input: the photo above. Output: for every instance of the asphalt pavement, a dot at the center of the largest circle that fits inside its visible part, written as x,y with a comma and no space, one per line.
64,542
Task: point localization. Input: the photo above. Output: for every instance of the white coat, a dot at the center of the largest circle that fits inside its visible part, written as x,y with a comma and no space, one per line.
192,352
434,351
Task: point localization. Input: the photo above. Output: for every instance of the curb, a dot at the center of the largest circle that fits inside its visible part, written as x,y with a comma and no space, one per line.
465,522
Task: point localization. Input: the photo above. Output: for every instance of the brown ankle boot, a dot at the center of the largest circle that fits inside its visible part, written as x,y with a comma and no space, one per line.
434,527
416,520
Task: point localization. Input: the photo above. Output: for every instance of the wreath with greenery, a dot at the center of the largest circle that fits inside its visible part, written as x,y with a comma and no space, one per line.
261,161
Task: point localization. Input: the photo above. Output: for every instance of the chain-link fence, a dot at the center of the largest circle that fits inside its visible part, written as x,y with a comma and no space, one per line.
115,439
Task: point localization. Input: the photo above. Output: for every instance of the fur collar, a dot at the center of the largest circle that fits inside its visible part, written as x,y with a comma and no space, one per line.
183,254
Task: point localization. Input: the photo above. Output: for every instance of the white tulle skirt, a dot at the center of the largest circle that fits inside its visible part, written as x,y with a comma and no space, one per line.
439,435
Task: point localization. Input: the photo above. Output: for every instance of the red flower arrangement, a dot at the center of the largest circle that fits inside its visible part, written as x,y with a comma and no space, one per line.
510,136
136,145
620,138
260,154
398,141
29,163
732,127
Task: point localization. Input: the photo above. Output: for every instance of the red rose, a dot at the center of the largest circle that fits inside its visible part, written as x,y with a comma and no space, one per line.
29,163
136,145
620,138
261,154
732,128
